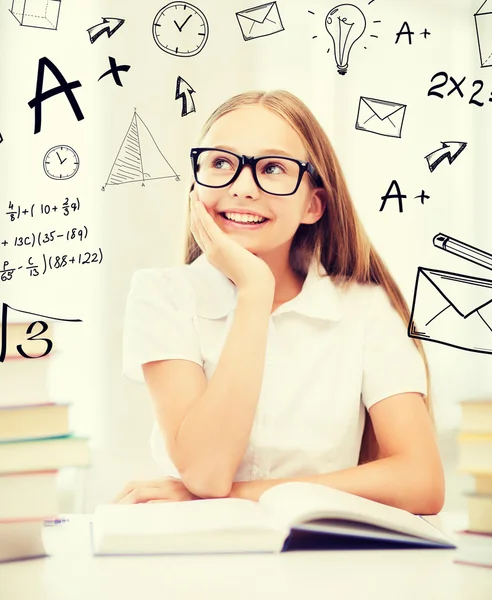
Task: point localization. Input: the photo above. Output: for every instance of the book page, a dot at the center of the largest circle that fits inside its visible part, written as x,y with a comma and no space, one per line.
301,502
219,514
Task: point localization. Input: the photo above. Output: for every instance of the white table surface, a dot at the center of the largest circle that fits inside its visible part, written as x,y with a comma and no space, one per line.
72,573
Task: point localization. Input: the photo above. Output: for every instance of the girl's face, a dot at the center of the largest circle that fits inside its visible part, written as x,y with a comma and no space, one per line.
257,131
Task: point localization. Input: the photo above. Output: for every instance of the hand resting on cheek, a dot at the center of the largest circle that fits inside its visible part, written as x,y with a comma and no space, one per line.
241,266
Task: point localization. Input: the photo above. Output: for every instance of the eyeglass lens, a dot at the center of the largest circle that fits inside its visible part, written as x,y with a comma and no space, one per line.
216,168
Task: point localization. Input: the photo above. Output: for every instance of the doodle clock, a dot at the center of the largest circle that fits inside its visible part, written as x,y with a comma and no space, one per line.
61,162
180,29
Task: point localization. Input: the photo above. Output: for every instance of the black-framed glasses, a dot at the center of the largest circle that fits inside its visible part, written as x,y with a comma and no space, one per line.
278,175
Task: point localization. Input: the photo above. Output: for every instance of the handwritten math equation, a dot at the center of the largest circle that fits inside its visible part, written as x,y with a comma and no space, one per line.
45,237
67,207
456,87
54,260
50,263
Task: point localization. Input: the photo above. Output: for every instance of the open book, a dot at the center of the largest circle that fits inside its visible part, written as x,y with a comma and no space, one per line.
283,514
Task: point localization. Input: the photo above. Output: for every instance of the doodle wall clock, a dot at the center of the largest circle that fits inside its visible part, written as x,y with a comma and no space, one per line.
61,162
180,29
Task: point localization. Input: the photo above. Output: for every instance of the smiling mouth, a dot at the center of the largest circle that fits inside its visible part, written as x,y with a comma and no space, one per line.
244,224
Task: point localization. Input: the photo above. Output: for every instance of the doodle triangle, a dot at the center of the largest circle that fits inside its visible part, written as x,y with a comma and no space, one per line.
139,157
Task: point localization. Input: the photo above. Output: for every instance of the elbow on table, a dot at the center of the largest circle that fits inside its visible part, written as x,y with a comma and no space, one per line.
437,496
438,489
431,497
208,486
430,504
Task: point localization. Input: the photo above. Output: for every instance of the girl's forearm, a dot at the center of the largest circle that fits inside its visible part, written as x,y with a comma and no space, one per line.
214,435
398,481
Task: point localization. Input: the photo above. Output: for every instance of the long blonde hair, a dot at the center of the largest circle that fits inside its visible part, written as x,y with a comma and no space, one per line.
338,239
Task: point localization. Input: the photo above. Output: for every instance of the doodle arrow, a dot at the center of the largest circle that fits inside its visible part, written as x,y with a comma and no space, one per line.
449,150
109,25
184,91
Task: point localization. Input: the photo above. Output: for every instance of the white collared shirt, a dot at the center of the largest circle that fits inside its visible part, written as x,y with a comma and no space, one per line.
331,352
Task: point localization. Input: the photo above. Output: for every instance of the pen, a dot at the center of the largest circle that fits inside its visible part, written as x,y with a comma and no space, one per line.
454,246
51,522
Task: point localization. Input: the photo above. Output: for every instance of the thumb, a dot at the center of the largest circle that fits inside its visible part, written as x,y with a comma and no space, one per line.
194,195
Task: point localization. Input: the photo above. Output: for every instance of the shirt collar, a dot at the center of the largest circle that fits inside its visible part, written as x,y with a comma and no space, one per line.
216,295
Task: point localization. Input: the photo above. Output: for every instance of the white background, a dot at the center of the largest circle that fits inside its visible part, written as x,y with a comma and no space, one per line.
144,226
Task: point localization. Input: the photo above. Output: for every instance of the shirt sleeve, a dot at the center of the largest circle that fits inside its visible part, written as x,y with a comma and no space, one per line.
392,363
158,323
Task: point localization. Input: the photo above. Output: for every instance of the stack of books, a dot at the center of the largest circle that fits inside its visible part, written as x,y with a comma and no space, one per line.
35,442
475,458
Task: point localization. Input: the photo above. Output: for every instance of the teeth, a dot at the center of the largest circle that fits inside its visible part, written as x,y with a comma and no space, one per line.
242,218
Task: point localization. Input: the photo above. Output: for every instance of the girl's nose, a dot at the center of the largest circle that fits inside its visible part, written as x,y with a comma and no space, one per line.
245,184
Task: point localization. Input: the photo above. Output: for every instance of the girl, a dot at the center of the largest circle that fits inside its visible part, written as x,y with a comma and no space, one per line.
279,351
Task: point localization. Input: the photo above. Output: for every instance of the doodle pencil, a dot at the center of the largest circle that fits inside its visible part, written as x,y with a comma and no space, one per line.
454,246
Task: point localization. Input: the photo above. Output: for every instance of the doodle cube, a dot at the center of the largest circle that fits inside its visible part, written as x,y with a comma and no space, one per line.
42,14
483,23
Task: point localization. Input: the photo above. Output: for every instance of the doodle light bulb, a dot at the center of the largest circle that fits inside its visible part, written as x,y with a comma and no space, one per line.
345,23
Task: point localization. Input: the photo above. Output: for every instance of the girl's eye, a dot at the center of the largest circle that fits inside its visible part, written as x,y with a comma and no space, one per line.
221,163
274,169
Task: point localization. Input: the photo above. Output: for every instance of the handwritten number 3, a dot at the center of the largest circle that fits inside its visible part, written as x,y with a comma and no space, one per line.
35,337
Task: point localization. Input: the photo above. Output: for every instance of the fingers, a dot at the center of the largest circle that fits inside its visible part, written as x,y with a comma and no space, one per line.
199,232
131,486
194,220
212,230
200,223
193,196
203,220
128,489
167,489
144,494
208,222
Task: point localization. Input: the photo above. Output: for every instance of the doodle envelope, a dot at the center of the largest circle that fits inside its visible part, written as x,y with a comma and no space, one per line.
452,309
380,116
259,21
